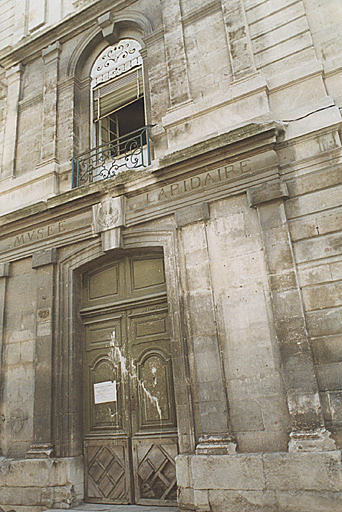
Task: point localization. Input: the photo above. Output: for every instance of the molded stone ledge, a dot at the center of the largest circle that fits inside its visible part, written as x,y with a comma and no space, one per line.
216,445
191,214
313,441
329,117
267,192
27,193
269,130
239,89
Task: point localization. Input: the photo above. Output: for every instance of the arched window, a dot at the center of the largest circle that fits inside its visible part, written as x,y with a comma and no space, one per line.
117,92
120,135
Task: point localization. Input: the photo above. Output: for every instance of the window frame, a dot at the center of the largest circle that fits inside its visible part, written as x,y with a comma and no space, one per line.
98,81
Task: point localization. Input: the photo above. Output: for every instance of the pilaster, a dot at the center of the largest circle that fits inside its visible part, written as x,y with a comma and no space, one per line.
68,141
175,53
56,9
211,416
20,19
4,274
14,77
50,56
302,393
239,43
37,14
44,263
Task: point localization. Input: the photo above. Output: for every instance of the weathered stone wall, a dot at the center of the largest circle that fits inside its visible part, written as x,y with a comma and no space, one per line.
28,485
207,53
276,482
238,280
314,213
18,361
230,72
280,35
324,19
6,22
244,197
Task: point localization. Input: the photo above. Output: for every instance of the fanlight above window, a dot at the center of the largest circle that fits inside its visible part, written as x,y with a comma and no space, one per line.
116,60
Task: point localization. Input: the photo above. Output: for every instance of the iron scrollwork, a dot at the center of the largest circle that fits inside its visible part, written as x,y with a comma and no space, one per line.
129,152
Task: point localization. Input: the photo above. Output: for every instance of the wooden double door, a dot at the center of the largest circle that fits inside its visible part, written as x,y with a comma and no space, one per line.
130,440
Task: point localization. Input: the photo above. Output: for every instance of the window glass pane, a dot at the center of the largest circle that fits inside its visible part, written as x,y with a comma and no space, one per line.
131,117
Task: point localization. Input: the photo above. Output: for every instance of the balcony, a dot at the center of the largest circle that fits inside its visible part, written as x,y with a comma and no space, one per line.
129,152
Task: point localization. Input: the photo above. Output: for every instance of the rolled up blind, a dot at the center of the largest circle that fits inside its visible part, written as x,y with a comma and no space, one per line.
118,92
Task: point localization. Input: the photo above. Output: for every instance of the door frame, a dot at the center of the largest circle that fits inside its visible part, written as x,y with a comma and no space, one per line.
130,453
68,368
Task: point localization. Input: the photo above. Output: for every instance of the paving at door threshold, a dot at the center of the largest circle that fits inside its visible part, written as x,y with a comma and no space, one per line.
94,507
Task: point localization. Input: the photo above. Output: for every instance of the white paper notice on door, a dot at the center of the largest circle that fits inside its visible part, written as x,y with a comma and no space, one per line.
105,392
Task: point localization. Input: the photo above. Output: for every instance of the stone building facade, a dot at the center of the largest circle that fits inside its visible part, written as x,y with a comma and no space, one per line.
171,299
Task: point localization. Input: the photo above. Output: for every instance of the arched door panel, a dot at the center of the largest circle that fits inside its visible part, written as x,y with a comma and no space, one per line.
130,440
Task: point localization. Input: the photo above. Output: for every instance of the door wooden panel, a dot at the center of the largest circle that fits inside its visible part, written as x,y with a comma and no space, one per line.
155,409
101,364
108,471
154,470
130,439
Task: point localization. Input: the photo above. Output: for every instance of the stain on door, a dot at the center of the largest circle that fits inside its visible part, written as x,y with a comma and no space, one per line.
130,434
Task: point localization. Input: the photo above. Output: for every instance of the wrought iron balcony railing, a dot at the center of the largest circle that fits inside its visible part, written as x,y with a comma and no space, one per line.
132,151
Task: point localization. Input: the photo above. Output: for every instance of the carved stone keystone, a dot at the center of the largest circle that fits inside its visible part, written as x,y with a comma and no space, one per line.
109,219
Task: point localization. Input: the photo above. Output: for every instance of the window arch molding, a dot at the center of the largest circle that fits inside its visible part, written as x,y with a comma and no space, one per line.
133,26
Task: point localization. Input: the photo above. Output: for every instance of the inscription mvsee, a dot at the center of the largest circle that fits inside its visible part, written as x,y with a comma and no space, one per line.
40,233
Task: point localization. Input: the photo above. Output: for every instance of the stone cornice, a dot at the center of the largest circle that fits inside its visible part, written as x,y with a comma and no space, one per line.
254,137
31,46
226,165
201,13
30,102
265,130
